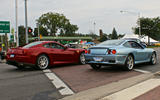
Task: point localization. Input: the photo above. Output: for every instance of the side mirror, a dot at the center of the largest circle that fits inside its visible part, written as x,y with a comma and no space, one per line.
144,45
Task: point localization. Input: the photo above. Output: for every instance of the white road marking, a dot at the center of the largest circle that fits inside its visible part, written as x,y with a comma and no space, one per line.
134,91
58,83
142,71
47,71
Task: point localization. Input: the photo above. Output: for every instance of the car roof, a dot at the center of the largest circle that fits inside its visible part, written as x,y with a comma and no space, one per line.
48,41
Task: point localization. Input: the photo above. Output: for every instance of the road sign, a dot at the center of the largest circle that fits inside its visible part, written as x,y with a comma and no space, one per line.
4,27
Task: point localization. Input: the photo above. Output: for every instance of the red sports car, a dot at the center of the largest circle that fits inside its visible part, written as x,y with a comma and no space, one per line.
43,54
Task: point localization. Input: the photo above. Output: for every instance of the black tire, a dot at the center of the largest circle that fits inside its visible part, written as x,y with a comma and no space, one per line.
95,66
129,63
82,59
153,59
42,62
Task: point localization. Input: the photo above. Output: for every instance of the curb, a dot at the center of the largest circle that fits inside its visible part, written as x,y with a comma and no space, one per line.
103,91
2,61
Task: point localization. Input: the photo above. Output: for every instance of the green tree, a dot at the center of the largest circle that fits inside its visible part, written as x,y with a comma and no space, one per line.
54,22
42,31
149,27
114,34
103,38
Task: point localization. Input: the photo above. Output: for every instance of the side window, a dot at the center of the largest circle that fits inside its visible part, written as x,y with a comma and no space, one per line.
127,44
53,45
47,45
57,46
135,45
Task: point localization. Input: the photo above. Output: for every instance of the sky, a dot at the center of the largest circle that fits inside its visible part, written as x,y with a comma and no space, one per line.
84,13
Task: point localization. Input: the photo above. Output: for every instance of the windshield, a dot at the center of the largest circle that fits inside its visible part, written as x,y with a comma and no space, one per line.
32,44
111,43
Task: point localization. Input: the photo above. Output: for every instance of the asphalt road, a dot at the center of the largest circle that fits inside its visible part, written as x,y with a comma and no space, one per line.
28,84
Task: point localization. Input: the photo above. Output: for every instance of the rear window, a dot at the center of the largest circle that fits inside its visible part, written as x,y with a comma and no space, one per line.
32,44
111,42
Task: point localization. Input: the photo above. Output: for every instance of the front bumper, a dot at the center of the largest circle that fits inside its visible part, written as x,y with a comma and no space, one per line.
106,59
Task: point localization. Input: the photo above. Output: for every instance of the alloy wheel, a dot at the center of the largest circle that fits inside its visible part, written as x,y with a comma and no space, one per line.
43,62
82,59
130,62
153,59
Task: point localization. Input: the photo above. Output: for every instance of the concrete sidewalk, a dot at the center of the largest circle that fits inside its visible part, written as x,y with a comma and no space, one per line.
3,61
103,91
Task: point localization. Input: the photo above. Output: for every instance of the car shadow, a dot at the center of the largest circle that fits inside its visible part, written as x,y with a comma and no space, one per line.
26,69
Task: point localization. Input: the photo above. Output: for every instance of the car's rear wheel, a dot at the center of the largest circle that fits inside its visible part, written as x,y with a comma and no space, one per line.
153,59
129,63
95,66
82,59
42,62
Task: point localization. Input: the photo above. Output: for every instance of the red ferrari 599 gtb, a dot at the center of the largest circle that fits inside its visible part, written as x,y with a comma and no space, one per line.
43,54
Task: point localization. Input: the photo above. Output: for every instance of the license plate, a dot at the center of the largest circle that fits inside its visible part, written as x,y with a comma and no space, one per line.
11,56
98,58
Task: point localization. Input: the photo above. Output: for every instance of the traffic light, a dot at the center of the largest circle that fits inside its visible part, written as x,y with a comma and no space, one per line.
12,38
29,30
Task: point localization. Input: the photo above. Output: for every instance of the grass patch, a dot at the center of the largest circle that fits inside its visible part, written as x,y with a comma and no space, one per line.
152,46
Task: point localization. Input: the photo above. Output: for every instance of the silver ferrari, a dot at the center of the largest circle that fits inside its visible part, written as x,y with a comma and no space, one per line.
119,52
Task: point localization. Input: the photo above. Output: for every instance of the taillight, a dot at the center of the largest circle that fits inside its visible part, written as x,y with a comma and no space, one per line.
113,51
24,51
109,51
87,51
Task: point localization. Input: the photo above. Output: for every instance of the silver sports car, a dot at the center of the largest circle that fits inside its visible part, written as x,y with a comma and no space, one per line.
119,52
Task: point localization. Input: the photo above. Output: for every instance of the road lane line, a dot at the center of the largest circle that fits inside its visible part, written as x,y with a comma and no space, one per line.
142,71
58,83
134,91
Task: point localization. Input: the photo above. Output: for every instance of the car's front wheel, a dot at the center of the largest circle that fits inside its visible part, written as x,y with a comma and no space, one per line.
153,59
129,63
42,62
95,66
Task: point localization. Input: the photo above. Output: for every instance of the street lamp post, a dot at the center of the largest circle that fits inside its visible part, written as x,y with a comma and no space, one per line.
26,22
38,31
16,15
138,13
94,27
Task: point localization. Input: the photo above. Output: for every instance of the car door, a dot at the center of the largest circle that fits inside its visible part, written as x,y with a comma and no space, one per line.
140,52
60,53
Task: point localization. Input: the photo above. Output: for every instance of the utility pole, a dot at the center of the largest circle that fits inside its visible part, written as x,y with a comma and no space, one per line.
26,22
17,34
139,24
38,32
94,27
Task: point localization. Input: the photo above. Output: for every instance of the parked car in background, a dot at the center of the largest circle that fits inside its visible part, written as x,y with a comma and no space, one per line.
73,45
2,55
119,52
44,54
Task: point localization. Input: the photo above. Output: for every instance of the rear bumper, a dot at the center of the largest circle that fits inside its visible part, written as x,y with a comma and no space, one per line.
20,60
15,63
106,59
